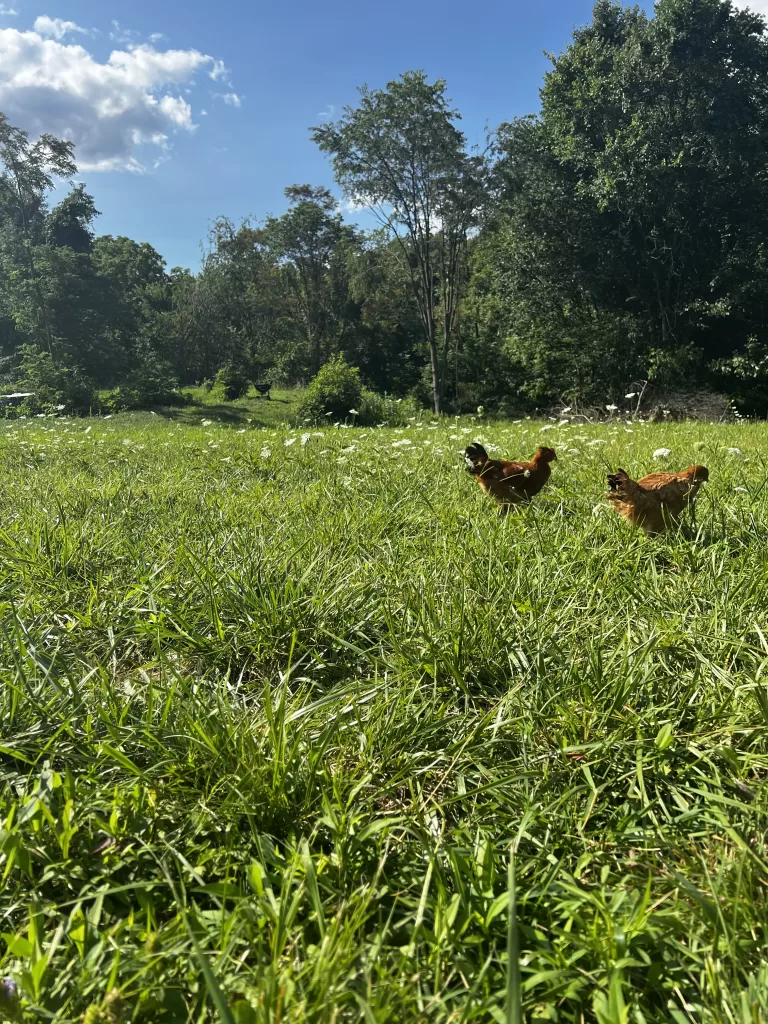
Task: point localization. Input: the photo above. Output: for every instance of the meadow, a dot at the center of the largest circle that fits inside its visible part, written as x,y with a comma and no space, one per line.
296,728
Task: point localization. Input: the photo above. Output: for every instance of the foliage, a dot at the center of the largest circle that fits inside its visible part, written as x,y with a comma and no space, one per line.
334,392
634,204
63,388
617,235
400,153
378,410
297,702
231,382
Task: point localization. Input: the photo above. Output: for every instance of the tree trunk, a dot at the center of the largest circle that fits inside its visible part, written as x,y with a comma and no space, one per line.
436,385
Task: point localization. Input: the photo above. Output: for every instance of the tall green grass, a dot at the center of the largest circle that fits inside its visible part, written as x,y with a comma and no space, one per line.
296,728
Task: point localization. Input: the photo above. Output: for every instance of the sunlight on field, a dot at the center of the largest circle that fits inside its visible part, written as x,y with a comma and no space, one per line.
285,698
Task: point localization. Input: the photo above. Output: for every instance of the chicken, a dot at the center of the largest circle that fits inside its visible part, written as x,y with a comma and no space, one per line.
509,483
658,500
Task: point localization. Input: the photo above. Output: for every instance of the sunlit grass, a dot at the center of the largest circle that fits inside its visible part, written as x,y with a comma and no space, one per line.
284,702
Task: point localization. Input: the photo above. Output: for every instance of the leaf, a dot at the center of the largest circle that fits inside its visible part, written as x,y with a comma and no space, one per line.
664,737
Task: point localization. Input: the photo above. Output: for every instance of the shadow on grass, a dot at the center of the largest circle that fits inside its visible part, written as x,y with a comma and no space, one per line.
259,412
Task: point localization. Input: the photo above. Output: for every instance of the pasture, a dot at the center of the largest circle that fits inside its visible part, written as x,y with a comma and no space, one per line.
296,728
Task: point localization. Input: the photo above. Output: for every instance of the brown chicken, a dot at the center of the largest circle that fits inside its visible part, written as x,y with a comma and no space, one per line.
509,483
658,500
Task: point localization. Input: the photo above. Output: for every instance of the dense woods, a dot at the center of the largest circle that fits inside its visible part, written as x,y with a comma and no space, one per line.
615,237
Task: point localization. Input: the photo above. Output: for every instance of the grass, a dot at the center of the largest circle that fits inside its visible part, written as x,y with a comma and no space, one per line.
306,732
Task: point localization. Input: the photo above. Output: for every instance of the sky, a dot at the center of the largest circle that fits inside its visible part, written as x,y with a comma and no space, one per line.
184,110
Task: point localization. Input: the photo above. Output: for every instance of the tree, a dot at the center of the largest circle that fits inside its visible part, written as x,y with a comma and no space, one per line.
27,172
309,238
400,154
70,223
640,193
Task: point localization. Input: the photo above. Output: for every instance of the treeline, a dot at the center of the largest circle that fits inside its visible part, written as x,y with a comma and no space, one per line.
615,238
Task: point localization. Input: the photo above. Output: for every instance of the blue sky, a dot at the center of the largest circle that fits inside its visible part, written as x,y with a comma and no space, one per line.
252,78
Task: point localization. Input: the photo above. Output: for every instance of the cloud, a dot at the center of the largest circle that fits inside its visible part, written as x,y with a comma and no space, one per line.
123,36
7,12
112,110
329,111
156,37
219,71
56,28
351,205
230,98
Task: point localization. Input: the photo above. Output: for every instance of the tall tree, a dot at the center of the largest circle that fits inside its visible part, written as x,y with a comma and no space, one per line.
70,223
310,238
27,171
400,154
641,191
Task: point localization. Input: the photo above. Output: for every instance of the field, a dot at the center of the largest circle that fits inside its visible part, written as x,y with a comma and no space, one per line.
296,728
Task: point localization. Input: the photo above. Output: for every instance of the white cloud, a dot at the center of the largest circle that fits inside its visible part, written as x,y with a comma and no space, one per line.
231,99
110,110
7,12
219,71
56,28
351,204
156,37
124,36
758,6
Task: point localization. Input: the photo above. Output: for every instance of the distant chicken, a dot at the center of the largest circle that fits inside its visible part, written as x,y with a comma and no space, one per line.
658,500
509,483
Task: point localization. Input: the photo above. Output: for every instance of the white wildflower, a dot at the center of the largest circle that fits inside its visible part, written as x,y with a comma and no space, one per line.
289,441
741,490
527,473
562,423
565,410
611,408
737,452
574,451
206,423
596,442
662,453
304,439
127,442
548,426
632,394
60,408
265,453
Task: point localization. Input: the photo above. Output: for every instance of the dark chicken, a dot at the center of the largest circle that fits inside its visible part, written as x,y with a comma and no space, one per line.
509,483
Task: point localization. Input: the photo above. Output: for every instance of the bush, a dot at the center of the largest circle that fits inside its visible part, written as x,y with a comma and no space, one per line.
395,412
232,382
150,383
334,392
56,388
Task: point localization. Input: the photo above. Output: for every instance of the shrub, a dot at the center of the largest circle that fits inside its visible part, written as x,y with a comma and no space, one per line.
232,382
334,392
151,383
60,388
395,412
